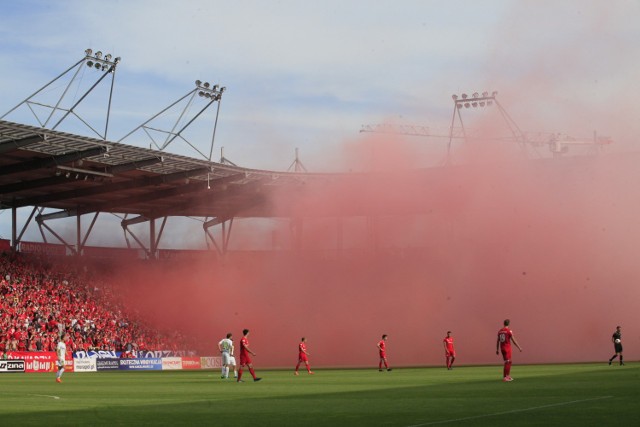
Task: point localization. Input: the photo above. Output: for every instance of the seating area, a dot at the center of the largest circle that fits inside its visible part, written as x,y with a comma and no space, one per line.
41,299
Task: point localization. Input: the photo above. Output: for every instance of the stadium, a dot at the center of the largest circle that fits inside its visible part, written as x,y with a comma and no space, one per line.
538,228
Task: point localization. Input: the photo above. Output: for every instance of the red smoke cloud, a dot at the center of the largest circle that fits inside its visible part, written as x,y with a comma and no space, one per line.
547,243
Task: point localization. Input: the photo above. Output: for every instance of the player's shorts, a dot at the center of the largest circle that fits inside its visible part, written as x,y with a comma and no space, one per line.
303,357
232,361
226,357
383,355
506,353
450,353
244,359
60,363
618,347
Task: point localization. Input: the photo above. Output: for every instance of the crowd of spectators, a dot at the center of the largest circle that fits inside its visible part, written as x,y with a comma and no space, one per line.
40,300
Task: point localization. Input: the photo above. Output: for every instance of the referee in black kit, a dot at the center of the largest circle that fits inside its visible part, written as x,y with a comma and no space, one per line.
616,338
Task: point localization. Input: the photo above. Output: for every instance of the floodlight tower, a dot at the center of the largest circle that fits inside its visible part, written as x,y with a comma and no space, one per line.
480,101
297,165
204,90
105,64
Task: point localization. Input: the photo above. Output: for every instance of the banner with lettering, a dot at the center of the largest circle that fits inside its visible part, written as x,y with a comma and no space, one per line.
191,363
42,248
36,361
141,364
11,366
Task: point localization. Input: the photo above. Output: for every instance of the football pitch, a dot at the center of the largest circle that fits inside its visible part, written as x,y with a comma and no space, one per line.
566,395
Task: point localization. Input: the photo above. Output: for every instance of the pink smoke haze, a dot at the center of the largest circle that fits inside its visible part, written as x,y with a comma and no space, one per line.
550,244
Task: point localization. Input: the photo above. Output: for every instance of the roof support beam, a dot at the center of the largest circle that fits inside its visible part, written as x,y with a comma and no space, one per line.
148,197
48,162
133,165
16,144
29,185
109,188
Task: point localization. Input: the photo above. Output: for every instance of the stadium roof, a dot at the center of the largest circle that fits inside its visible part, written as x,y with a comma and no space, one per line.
78,175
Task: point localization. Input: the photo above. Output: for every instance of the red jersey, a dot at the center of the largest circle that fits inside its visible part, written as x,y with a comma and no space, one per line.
449,343
504,336
302,355
382,346
244,343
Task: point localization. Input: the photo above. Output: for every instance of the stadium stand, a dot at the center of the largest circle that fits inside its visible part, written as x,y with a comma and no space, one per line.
40,299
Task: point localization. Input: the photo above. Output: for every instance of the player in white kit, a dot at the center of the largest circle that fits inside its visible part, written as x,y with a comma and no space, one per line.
226,349
61,351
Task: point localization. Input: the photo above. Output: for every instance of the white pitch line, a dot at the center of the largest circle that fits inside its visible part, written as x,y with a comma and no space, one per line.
515,411
44,395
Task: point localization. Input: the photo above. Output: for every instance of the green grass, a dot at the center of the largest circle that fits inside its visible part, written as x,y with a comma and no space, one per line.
566,395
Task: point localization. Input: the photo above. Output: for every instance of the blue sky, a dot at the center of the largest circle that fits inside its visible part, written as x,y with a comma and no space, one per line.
310,74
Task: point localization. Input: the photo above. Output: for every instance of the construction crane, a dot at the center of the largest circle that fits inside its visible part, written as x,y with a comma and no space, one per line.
558,143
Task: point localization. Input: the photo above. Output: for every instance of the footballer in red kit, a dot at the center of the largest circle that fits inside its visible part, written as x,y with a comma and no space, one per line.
503,345
449,351
245,358
303,356
382,348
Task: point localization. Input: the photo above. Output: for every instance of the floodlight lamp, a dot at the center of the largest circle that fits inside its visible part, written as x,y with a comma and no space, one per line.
467,105
97,65
201,93
206,85
454,97
494,93
118,59
108,57
485,94
464,96
459,106
99,54
474,104
67,175
198,82
482,103
88,52
489,103
215,87
475,94
222,89
89,64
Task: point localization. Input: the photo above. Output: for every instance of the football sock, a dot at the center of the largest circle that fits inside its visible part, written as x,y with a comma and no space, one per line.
613,357
60,372
508,368
308,368
621,362
226,372
253,374
451,363
239,374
